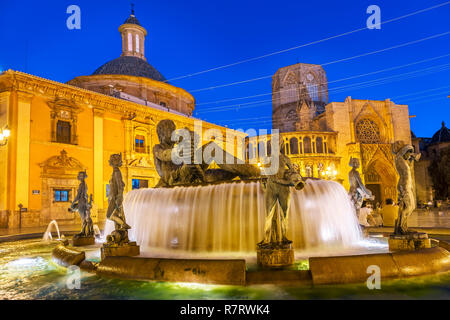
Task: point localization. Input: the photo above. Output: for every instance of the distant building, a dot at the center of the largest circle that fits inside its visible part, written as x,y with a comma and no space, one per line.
430,149
299,93
321,137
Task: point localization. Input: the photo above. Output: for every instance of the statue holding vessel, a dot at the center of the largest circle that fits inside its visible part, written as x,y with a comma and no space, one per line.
82,203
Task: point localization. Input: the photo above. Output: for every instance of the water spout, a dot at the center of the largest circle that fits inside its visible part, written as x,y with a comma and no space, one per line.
48,233
97,232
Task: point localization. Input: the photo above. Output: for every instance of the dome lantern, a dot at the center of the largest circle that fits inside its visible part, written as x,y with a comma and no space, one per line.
133,37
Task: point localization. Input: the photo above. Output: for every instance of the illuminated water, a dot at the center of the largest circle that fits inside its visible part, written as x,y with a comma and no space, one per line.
27,272
48,233
229,218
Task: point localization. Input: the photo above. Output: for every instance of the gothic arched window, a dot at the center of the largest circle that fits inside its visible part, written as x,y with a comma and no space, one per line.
367,131
319,145
293,145
261,149
249,151
307,145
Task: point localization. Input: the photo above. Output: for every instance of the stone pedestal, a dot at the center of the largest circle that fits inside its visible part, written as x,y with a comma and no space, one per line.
78,241
129,249
409,242
275,255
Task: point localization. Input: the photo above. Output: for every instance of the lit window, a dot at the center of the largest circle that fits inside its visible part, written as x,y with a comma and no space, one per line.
130,42
139,183
139,143
137,43
61,196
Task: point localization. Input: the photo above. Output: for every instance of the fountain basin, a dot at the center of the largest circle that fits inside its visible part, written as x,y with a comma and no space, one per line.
229,272
353,269
322,270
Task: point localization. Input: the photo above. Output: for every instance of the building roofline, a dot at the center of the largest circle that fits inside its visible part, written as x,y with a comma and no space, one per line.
92,97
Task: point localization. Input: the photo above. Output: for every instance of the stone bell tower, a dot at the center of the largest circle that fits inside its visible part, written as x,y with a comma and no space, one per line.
133,37
299,93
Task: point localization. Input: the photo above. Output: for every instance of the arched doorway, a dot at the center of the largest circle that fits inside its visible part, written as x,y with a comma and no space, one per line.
381,179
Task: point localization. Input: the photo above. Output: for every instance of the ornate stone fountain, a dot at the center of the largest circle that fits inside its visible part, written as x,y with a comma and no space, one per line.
196,213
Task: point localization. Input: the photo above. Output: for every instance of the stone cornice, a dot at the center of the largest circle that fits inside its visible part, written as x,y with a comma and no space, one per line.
125,26
138,80
49,89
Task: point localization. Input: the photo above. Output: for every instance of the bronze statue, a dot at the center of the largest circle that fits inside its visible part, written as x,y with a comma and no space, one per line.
83,204
404,157
358,192
115,211
172,174
277,190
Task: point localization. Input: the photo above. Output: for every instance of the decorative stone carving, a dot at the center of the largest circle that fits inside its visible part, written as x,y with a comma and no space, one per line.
140,162
62,161
64,110
58,172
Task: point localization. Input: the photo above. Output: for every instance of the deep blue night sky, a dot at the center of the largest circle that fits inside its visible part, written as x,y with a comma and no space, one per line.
185,37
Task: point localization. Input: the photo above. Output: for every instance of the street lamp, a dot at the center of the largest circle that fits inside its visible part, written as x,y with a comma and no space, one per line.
4,135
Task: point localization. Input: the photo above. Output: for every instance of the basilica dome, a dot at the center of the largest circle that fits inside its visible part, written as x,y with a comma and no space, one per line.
132,78
130,66
442,135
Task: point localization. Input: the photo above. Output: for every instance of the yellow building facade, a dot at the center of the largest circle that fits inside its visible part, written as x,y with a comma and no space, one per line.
60,129
39,164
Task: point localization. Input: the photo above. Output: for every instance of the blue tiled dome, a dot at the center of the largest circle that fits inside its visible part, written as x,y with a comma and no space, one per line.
131,66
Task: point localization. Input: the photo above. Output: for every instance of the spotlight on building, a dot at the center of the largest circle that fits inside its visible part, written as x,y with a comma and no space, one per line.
4,135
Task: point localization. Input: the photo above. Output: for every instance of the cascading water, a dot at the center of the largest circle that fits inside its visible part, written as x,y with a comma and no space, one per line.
230,217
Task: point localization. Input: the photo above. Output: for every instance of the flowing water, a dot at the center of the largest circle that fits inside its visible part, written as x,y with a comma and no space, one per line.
48,233
229,218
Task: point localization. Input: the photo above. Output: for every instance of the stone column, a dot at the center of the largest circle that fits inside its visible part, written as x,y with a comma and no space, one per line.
5,102
98,158
23,148
129,139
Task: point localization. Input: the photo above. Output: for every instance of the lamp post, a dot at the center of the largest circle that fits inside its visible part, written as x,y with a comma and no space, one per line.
4,135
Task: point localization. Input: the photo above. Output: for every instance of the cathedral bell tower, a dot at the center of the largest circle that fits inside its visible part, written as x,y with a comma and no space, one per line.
133,37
